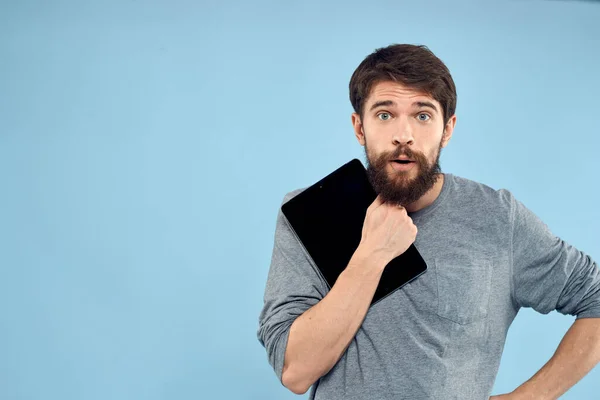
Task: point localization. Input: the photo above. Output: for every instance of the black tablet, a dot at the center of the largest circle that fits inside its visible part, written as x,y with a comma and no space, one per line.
328,217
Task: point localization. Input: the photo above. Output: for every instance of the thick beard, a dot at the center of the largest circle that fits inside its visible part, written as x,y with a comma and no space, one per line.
396,187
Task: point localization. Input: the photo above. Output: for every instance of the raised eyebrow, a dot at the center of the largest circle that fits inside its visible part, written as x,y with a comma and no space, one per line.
391,103
382,103
420,104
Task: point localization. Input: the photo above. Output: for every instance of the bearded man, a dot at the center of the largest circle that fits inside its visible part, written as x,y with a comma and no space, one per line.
442,335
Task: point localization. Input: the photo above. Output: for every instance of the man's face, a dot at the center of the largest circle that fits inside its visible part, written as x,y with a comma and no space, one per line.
403,134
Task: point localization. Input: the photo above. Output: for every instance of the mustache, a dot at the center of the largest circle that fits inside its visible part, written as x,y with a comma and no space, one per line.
407,152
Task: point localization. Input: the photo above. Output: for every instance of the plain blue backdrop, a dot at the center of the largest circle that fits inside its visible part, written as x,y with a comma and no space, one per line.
145,148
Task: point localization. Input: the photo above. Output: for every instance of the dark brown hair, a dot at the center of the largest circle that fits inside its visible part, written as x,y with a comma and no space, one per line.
414,66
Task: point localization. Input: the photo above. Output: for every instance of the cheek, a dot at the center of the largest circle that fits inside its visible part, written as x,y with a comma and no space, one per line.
434,153
371,148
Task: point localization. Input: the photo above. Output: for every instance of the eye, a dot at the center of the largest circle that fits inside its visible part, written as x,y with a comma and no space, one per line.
384,116
426,117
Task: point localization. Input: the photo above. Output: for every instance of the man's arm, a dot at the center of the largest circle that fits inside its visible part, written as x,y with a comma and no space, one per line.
320,336
550,274
577,354
304,327
305,330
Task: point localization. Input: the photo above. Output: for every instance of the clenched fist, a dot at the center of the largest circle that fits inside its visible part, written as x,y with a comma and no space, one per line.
387,231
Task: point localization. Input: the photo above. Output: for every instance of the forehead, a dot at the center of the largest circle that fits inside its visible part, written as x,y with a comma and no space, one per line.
397,92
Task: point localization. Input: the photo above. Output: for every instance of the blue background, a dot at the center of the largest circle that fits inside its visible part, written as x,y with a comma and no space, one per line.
145,148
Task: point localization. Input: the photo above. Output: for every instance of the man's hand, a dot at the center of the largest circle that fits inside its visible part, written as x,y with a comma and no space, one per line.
387,231
577,354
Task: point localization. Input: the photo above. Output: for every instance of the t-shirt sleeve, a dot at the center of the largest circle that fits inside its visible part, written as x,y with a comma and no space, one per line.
548,273
293,286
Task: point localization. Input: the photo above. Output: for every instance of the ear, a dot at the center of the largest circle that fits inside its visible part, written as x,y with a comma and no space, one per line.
358,129
448,130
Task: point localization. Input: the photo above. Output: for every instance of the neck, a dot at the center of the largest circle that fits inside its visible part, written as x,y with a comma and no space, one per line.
429,197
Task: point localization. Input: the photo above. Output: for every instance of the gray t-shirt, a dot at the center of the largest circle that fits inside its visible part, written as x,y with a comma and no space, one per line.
442,335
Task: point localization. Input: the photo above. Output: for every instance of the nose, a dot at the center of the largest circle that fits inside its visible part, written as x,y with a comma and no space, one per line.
403,136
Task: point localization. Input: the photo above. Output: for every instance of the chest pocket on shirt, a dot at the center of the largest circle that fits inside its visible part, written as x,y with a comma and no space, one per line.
463,290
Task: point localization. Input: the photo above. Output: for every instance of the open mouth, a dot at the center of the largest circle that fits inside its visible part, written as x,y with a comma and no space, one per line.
402,165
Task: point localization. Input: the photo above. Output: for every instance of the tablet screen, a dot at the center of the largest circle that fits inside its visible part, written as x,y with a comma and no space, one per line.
328,217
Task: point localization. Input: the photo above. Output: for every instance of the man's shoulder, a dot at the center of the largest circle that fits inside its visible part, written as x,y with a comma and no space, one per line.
480,192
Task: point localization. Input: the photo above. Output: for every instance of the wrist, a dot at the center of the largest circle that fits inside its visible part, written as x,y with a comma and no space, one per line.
365,257
523,393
